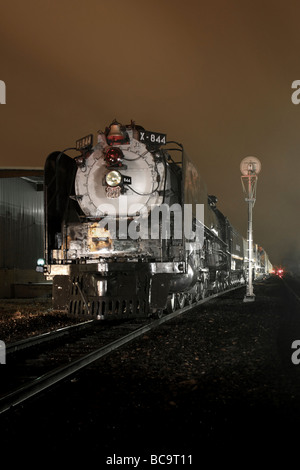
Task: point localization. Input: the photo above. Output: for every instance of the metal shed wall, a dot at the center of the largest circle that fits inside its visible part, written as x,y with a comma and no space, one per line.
21,224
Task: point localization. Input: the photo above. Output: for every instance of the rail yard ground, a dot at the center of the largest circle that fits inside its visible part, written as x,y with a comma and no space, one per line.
217,384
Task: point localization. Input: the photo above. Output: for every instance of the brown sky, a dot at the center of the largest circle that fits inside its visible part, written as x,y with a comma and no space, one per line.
215,76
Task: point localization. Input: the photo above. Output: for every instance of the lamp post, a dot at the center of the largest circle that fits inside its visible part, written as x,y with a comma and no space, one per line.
250,167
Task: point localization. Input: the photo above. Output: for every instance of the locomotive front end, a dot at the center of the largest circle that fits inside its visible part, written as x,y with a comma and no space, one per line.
104,250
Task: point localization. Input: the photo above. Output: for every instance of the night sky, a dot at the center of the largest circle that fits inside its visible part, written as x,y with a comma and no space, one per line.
215,76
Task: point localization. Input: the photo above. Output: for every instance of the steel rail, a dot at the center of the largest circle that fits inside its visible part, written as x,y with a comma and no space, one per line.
53,377
45,337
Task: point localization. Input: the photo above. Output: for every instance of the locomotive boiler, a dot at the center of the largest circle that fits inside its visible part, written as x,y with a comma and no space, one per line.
129,229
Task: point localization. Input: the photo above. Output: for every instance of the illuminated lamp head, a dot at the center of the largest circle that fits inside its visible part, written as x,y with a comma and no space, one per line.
114,157
116,134
113,178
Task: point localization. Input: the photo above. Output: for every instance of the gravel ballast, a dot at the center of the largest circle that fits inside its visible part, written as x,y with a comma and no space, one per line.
217,383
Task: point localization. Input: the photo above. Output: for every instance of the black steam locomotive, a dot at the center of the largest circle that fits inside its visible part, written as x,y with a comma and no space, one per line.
128,230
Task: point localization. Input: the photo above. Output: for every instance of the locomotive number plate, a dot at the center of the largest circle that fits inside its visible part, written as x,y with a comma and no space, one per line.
127,179
84,142
155,138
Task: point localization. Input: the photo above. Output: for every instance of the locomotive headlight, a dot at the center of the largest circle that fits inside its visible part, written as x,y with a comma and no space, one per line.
113,178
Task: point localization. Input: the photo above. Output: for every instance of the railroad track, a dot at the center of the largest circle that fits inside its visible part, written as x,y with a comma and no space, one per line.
42,382
46,337
292,285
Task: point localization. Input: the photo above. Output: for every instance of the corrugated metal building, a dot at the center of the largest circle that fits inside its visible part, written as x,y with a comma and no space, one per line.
21,229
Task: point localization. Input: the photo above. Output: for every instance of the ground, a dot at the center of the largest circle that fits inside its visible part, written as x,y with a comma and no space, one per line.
217,383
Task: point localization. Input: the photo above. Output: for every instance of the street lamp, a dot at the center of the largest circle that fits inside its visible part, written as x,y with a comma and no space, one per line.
250,167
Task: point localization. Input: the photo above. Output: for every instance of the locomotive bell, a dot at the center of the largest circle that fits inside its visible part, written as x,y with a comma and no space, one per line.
116,134
115,130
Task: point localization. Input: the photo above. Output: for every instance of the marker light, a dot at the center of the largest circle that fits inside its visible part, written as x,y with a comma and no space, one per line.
114,156
113,178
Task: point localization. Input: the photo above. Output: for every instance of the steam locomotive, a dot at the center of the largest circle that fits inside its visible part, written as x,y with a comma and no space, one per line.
130,229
